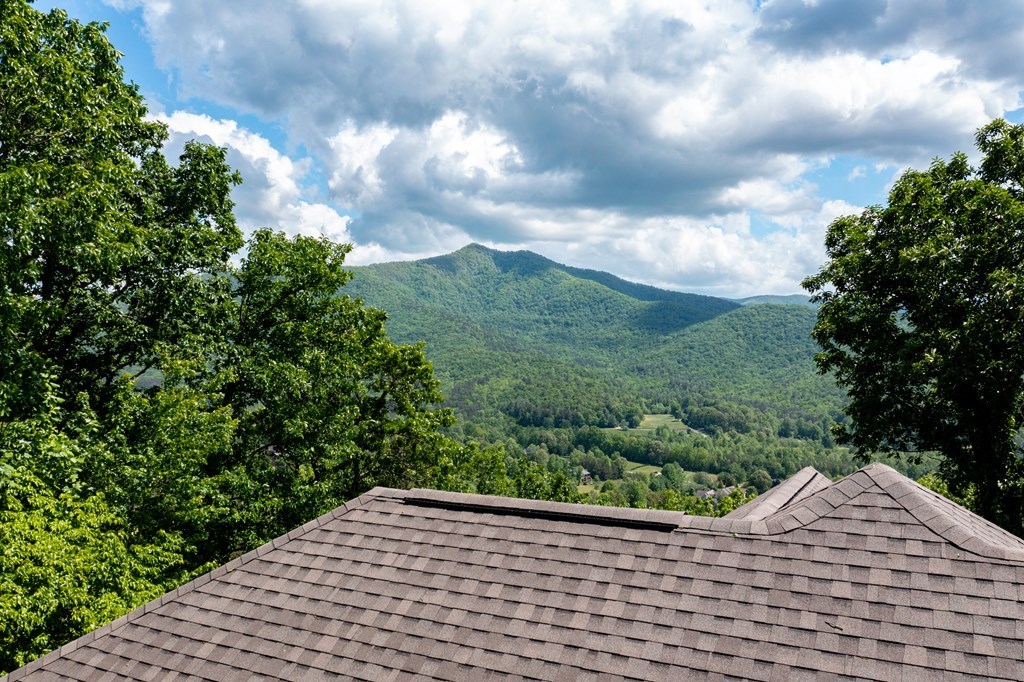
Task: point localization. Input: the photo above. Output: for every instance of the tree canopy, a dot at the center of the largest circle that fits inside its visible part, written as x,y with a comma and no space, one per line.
922,321
109,256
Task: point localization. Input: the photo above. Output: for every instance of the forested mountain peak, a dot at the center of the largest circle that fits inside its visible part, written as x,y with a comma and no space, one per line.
478,258
516,332
522,290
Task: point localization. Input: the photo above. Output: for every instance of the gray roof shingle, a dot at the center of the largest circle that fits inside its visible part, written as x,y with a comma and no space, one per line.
870,577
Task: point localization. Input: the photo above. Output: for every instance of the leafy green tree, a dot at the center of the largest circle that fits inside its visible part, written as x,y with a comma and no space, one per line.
327,405
612,495
635,489
673,500
674,476
529,480
735,499
922,321
108,256
112,264
726,479
473,469
157,467
70,561
760,480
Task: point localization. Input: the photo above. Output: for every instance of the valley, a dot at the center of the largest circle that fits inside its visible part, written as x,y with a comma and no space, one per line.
560,365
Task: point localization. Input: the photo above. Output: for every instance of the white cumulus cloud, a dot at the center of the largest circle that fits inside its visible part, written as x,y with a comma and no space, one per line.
656,131
272,193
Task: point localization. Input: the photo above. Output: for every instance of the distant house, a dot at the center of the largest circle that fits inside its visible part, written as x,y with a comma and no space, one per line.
586,478
724,492
871,577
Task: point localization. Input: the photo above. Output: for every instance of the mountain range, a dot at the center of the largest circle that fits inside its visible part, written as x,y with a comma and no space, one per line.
519,335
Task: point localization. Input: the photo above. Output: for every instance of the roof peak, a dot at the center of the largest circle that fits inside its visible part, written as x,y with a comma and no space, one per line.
800,485
958,526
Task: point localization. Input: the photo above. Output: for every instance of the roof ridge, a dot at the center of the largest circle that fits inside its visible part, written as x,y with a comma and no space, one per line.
655,519
960,527
786,509
197,582
818,504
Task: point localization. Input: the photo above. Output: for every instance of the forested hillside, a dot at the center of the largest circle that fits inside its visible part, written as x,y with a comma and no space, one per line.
641,394
550,345
577,315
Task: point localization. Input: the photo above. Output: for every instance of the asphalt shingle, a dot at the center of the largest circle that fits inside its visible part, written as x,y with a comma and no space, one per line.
870,577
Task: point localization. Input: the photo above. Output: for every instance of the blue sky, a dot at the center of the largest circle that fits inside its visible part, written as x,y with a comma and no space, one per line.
701,148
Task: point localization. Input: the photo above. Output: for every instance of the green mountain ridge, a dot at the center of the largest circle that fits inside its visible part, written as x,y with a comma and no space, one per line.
533,298
544,343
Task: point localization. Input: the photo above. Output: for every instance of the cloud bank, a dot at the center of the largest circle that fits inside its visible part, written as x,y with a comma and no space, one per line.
668,142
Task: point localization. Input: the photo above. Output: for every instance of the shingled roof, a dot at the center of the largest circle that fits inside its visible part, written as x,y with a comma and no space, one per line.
871,577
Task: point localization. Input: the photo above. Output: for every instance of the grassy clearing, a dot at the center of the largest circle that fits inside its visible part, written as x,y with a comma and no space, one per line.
652,422
638,468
